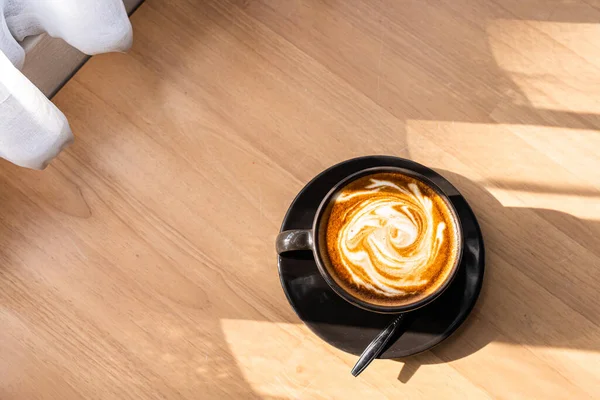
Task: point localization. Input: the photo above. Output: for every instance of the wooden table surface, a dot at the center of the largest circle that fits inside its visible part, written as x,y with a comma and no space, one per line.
141,263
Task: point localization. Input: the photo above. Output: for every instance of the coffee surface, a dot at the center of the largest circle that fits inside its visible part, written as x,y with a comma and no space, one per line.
391,239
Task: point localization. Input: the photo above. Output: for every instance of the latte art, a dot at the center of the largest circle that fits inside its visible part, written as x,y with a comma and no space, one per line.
391,238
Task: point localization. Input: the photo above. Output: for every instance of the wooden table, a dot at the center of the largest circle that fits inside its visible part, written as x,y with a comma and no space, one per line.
141,264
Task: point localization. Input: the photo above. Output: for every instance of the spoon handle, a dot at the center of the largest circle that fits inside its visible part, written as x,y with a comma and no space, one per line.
376,347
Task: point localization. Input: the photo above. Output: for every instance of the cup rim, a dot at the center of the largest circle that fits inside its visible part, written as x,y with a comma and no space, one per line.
353,299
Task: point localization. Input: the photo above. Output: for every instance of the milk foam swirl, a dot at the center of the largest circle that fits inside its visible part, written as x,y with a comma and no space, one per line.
389,238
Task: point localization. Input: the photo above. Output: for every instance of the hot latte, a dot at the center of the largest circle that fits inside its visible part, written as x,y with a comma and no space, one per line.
390,239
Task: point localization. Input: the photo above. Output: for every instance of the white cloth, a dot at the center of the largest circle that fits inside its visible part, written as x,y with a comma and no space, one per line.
32,130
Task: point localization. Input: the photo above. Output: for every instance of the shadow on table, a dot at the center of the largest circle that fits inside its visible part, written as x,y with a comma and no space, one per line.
539,269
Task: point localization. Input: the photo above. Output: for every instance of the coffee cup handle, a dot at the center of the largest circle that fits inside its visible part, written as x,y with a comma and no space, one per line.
294,240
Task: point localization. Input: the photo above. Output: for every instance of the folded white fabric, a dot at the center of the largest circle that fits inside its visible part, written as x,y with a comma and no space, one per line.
32,130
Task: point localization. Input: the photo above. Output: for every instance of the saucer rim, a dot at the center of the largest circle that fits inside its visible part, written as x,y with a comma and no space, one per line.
392,161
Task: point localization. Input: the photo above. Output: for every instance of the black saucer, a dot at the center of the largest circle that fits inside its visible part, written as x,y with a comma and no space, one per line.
350,328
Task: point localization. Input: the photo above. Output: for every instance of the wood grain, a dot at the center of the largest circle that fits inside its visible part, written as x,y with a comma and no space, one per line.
141,264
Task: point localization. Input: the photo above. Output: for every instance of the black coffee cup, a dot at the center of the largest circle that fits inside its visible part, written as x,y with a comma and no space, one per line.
313,240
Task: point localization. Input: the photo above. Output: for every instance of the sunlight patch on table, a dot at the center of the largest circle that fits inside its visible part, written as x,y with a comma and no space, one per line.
526,166
549,62
274,362
305,371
